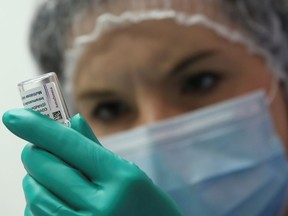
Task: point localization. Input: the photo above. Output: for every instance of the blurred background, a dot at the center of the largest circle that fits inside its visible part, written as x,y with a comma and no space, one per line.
16,66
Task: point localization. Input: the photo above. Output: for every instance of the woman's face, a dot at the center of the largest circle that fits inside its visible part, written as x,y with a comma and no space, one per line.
157,69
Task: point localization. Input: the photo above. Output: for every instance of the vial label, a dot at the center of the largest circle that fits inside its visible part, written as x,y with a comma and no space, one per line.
45,99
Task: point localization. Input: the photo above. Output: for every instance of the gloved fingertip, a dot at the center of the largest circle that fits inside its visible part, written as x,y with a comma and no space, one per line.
10,117
25,122
27,187
18,116
77,118
25,182
30,188
27,212
26,153
79,124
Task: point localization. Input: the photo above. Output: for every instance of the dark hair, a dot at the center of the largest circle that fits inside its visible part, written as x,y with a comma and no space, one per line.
50,25
265,20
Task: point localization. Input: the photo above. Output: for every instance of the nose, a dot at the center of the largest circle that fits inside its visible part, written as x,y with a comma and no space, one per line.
154,109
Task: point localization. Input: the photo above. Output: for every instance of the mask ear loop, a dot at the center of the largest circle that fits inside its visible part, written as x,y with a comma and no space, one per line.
272,92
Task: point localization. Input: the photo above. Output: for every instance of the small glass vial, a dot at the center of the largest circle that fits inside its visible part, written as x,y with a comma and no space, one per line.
43,94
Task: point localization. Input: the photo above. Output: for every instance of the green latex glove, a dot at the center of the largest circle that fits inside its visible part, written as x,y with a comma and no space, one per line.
71,174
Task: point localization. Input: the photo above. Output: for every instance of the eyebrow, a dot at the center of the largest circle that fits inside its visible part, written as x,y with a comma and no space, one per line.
95,94
188,61
192,59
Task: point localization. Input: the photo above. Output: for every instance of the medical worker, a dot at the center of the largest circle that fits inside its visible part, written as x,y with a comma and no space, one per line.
188,99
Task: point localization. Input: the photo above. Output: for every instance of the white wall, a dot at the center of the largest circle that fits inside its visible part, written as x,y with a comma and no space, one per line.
15,66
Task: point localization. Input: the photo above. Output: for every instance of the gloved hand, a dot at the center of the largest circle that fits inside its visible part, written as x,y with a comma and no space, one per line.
71,174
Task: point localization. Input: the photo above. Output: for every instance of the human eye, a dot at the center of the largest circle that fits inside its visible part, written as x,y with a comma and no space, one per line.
110,111
201,82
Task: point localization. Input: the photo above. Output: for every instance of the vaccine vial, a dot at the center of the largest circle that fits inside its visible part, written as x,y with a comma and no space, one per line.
43,94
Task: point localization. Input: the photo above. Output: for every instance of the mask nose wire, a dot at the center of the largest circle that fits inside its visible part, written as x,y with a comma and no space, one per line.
272,91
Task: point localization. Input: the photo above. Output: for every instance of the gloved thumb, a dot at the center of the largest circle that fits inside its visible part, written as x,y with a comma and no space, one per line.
79,124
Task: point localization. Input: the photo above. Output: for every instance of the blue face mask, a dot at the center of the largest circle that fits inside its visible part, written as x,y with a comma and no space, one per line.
222,160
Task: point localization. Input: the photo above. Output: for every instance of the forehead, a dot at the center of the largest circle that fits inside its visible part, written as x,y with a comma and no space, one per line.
150,48
152,36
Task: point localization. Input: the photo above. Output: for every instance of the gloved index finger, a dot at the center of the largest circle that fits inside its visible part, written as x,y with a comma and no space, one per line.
75,149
